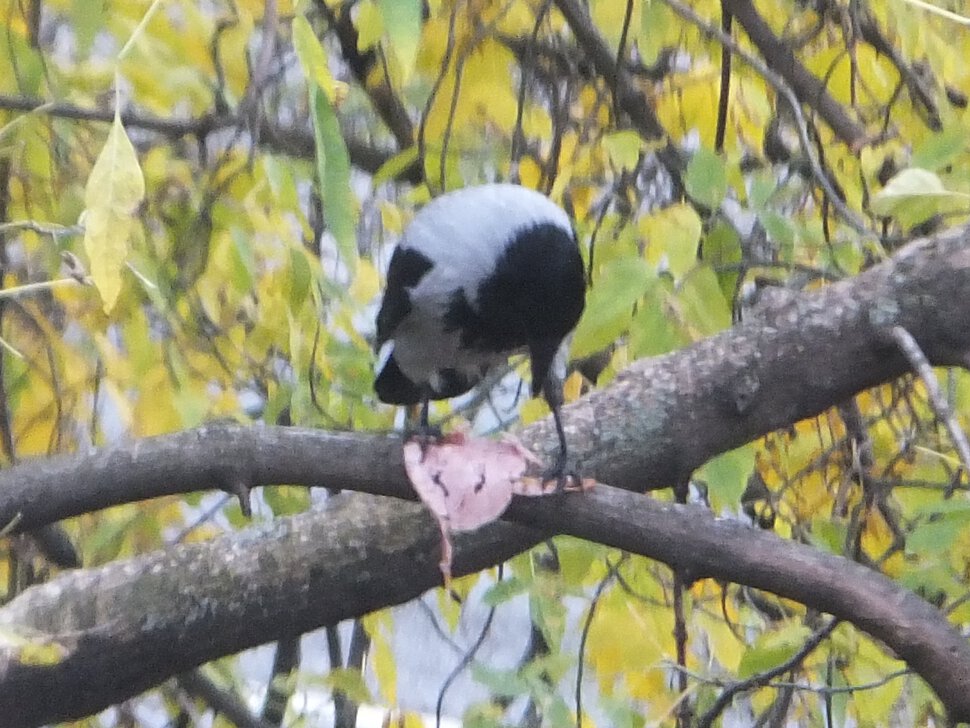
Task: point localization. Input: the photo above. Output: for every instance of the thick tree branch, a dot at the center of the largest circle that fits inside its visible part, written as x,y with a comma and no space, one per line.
126,626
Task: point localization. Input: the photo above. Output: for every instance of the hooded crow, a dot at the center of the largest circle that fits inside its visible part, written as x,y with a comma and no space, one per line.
480,273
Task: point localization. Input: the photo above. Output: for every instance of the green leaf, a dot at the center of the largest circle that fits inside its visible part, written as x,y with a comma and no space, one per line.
780,230
243,261
828,535
576,558
549,615
653,330
395,165
351,683
504,590
673,235
300,278
313,59
706,178
623,148
939,150
87,18
333,171
706,309
937,533
727,475
609,306
772,649
113,193
722,250
502,683
402,20
287,500
915,195
621,713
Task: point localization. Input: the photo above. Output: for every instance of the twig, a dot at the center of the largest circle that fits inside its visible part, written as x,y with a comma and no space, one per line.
52,229
629,96
917,359
27,288
278,692
807,87
685,712
587,624
785,91
764,678
438,82
294,141
466,659
198,685
527,62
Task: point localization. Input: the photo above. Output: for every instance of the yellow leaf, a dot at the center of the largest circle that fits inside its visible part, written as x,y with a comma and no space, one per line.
366,283
573,386
114,190
672,236
41,654
529,173
391,218
369,23
533,409
382,656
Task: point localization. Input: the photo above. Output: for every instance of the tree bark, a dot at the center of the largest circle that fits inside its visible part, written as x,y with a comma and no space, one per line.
126,626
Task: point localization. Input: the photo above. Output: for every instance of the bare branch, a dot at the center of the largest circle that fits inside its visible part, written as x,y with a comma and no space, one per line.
809,89
224,702
295,141
782,88
627,95
763,678
922,366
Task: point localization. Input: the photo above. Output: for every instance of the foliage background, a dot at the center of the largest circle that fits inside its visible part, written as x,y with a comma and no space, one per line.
283,147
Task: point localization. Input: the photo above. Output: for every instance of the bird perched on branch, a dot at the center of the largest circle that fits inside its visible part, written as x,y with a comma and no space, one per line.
479,274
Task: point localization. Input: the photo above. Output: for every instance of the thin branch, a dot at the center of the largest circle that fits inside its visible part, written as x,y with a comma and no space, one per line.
222,701
921,365
286,659
295,141
386,102
629,97
28,288
466,659
781,86
807,87
584,636
763,678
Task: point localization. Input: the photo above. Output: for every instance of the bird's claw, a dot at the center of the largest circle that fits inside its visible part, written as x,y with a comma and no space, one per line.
564,473
425,435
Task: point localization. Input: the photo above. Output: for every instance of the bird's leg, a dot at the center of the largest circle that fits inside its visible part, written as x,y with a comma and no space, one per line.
425,411
422,431
561,470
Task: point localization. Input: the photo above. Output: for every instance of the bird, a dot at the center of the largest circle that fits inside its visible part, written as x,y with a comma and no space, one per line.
480,273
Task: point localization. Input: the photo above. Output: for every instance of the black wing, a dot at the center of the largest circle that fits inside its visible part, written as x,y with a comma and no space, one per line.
407,268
